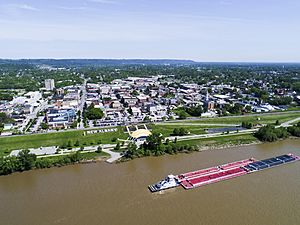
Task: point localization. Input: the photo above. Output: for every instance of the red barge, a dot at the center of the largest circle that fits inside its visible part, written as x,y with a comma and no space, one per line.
227,171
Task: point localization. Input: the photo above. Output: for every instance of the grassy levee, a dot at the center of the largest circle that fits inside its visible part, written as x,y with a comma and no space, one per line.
221,141
264,119
83,155
57,139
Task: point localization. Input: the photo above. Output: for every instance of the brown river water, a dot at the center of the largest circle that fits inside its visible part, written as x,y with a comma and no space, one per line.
101,193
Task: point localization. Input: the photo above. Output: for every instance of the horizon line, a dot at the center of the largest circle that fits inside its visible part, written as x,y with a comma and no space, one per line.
148,59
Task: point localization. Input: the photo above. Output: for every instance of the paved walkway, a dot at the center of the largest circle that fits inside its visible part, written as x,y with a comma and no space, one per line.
52,151
289,123
114,156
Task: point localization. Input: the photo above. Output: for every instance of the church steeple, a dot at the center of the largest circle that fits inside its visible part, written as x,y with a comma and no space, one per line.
207,97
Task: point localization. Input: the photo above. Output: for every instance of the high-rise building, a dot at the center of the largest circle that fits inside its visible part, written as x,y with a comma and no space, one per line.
49,84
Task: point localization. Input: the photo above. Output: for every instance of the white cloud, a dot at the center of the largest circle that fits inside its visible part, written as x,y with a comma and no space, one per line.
72,8
26,7
8,10
21,6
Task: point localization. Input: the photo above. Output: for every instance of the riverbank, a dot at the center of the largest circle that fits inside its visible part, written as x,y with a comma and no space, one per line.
196,145
26,161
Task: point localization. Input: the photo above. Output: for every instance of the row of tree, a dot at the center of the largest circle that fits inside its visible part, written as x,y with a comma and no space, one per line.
270,133
294,130
180,131
155,145
27,161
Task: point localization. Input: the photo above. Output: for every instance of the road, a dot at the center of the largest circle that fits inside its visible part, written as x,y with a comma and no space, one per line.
288,123
82,102
241,132
247,115
43,105
38,123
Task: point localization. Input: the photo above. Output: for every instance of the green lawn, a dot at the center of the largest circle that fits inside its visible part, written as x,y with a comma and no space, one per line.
84,155
167,130
264,119
220,141
58,138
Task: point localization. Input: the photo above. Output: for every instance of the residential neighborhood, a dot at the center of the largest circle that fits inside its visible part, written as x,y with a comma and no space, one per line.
130,100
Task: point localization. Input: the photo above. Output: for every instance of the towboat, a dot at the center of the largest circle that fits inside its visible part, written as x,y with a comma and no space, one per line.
170,181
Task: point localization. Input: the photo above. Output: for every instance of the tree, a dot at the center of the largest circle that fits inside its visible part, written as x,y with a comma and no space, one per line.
118,147
146,119
75,157
175,131
114,139
130,111
247,125
93,113
42,163
183,131
180,131
248,108
64,145
4,118
99,149
195,111
69,145
281,101
74,124
270,133
182,115
153,142
135,93
7,165
77,143
44,126
132,150
236,109
26,160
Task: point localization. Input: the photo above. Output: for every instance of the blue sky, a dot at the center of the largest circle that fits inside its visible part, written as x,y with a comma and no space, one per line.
212,30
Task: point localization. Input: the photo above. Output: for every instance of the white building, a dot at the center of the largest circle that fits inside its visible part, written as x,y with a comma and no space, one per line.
136,111
49,84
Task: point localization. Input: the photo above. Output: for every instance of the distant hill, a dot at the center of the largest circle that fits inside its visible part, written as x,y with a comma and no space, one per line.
96,62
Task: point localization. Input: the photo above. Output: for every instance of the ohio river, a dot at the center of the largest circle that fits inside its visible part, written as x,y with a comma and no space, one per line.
101,193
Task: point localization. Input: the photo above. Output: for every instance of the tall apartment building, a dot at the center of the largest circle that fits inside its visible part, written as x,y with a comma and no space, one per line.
49,84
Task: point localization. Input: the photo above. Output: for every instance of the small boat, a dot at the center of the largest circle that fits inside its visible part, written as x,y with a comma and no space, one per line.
170,181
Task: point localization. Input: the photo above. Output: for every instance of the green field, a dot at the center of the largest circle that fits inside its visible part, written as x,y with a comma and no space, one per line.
221,141
264,119
167,130
84,156
56,139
